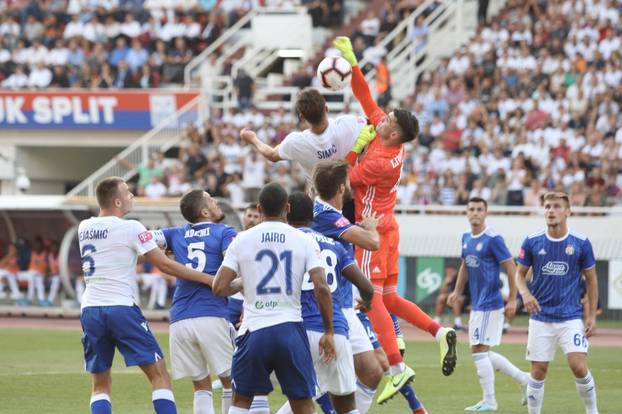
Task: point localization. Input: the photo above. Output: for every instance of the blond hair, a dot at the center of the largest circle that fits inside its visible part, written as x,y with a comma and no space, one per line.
554,195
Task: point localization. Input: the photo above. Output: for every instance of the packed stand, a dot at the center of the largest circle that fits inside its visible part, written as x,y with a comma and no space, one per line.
530,104
118,43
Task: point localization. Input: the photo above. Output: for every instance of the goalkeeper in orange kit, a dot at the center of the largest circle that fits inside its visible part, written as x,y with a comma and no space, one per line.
374,177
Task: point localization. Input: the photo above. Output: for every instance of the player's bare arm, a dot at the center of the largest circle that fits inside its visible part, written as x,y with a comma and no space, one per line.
364,235
224,282
510,269
324,299
531,304
591,287
366,289
171,267
463,276
266,151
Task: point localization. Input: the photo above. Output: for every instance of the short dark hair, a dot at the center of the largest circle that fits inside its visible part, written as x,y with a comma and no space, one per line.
300,209
311,105
191,205
328,176
252,206
408,123
272,199
106,190
478,200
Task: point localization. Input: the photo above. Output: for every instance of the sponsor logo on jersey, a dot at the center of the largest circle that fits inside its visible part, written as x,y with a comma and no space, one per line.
342,222
145,236
569,250
271,304
555,268
472,261
542,252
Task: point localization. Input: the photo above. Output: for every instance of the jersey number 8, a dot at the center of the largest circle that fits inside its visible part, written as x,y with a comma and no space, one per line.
330,263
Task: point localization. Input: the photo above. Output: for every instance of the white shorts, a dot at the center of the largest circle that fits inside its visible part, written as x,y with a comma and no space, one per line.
200,346
545,336
486,327
336,377
358,336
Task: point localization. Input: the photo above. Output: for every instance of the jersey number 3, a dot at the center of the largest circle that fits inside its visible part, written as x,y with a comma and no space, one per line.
286,257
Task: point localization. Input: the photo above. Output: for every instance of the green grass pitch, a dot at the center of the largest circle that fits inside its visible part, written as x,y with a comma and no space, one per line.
41,372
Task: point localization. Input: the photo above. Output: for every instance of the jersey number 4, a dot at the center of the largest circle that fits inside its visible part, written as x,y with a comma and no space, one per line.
285,257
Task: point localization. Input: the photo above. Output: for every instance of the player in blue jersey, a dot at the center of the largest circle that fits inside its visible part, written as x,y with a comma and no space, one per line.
330,180
483,254
558,257
200,334
337,378
271,260
110,319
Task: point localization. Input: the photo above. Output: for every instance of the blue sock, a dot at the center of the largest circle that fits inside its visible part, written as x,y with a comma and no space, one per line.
396,326
325,404
409,393
164,402
100,404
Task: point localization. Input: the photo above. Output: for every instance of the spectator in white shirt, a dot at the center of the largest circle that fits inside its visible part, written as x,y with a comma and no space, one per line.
59,55
370,27
74,28
130,27
40,77
232,154
155,189
17,80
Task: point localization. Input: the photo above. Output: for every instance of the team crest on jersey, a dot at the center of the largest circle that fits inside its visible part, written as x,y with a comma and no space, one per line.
569,250
342,222
145,236
464,246
479,246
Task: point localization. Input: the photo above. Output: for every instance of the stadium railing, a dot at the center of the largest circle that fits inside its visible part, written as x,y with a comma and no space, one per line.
167,134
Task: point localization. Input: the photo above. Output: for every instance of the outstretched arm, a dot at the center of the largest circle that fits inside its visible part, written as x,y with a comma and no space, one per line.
268,152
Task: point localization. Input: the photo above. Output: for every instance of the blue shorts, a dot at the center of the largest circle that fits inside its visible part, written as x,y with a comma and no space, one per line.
234,310
108,327
369,329
282,348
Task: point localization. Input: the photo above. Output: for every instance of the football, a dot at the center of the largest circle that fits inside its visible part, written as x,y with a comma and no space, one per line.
334,73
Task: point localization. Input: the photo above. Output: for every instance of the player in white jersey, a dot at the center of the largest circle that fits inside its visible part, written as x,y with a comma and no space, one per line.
110,319
559,259
271,259
324,139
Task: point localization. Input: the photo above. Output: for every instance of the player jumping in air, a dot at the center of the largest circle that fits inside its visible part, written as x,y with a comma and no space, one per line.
373,180
109,316
483,252
200,335
558,257
271,260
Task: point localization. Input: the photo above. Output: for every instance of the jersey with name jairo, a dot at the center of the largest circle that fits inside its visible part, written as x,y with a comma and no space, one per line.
272,258
109,247
557,266
482,254
336,259
199,246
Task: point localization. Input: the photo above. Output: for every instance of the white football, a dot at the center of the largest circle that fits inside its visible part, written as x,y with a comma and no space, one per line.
334,73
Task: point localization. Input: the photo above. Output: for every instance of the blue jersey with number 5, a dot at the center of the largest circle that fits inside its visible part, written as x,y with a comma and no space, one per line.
336,259
200,246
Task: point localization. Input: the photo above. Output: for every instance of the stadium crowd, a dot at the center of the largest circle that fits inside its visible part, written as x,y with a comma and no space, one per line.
119,43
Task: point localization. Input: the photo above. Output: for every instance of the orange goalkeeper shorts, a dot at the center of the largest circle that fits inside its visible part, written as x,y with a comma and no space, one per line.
383,262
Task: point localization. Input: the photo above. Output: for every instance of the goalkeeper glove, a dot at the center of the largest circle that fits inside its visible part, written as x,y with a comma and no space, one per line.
345,47
367,135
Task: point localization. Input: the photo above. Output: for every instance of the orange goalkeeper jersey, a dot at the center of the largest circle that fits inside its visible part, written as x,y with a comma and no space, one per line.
374,178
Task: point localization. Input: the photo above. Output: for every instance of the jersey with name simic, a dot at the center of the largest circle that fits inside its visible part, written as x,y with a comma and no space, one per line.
330,222
482,256
557,266
200,246
336,259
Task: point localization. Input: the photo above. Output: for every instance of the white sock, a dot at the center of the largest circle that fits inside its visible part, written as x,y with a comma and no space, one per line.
587,391
364,397
203,402
79,290
486,375
237,410
162,292
535,395
458,321
260,405
502,364
226,400
397,368
437,319
285,409
355,411
40,288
